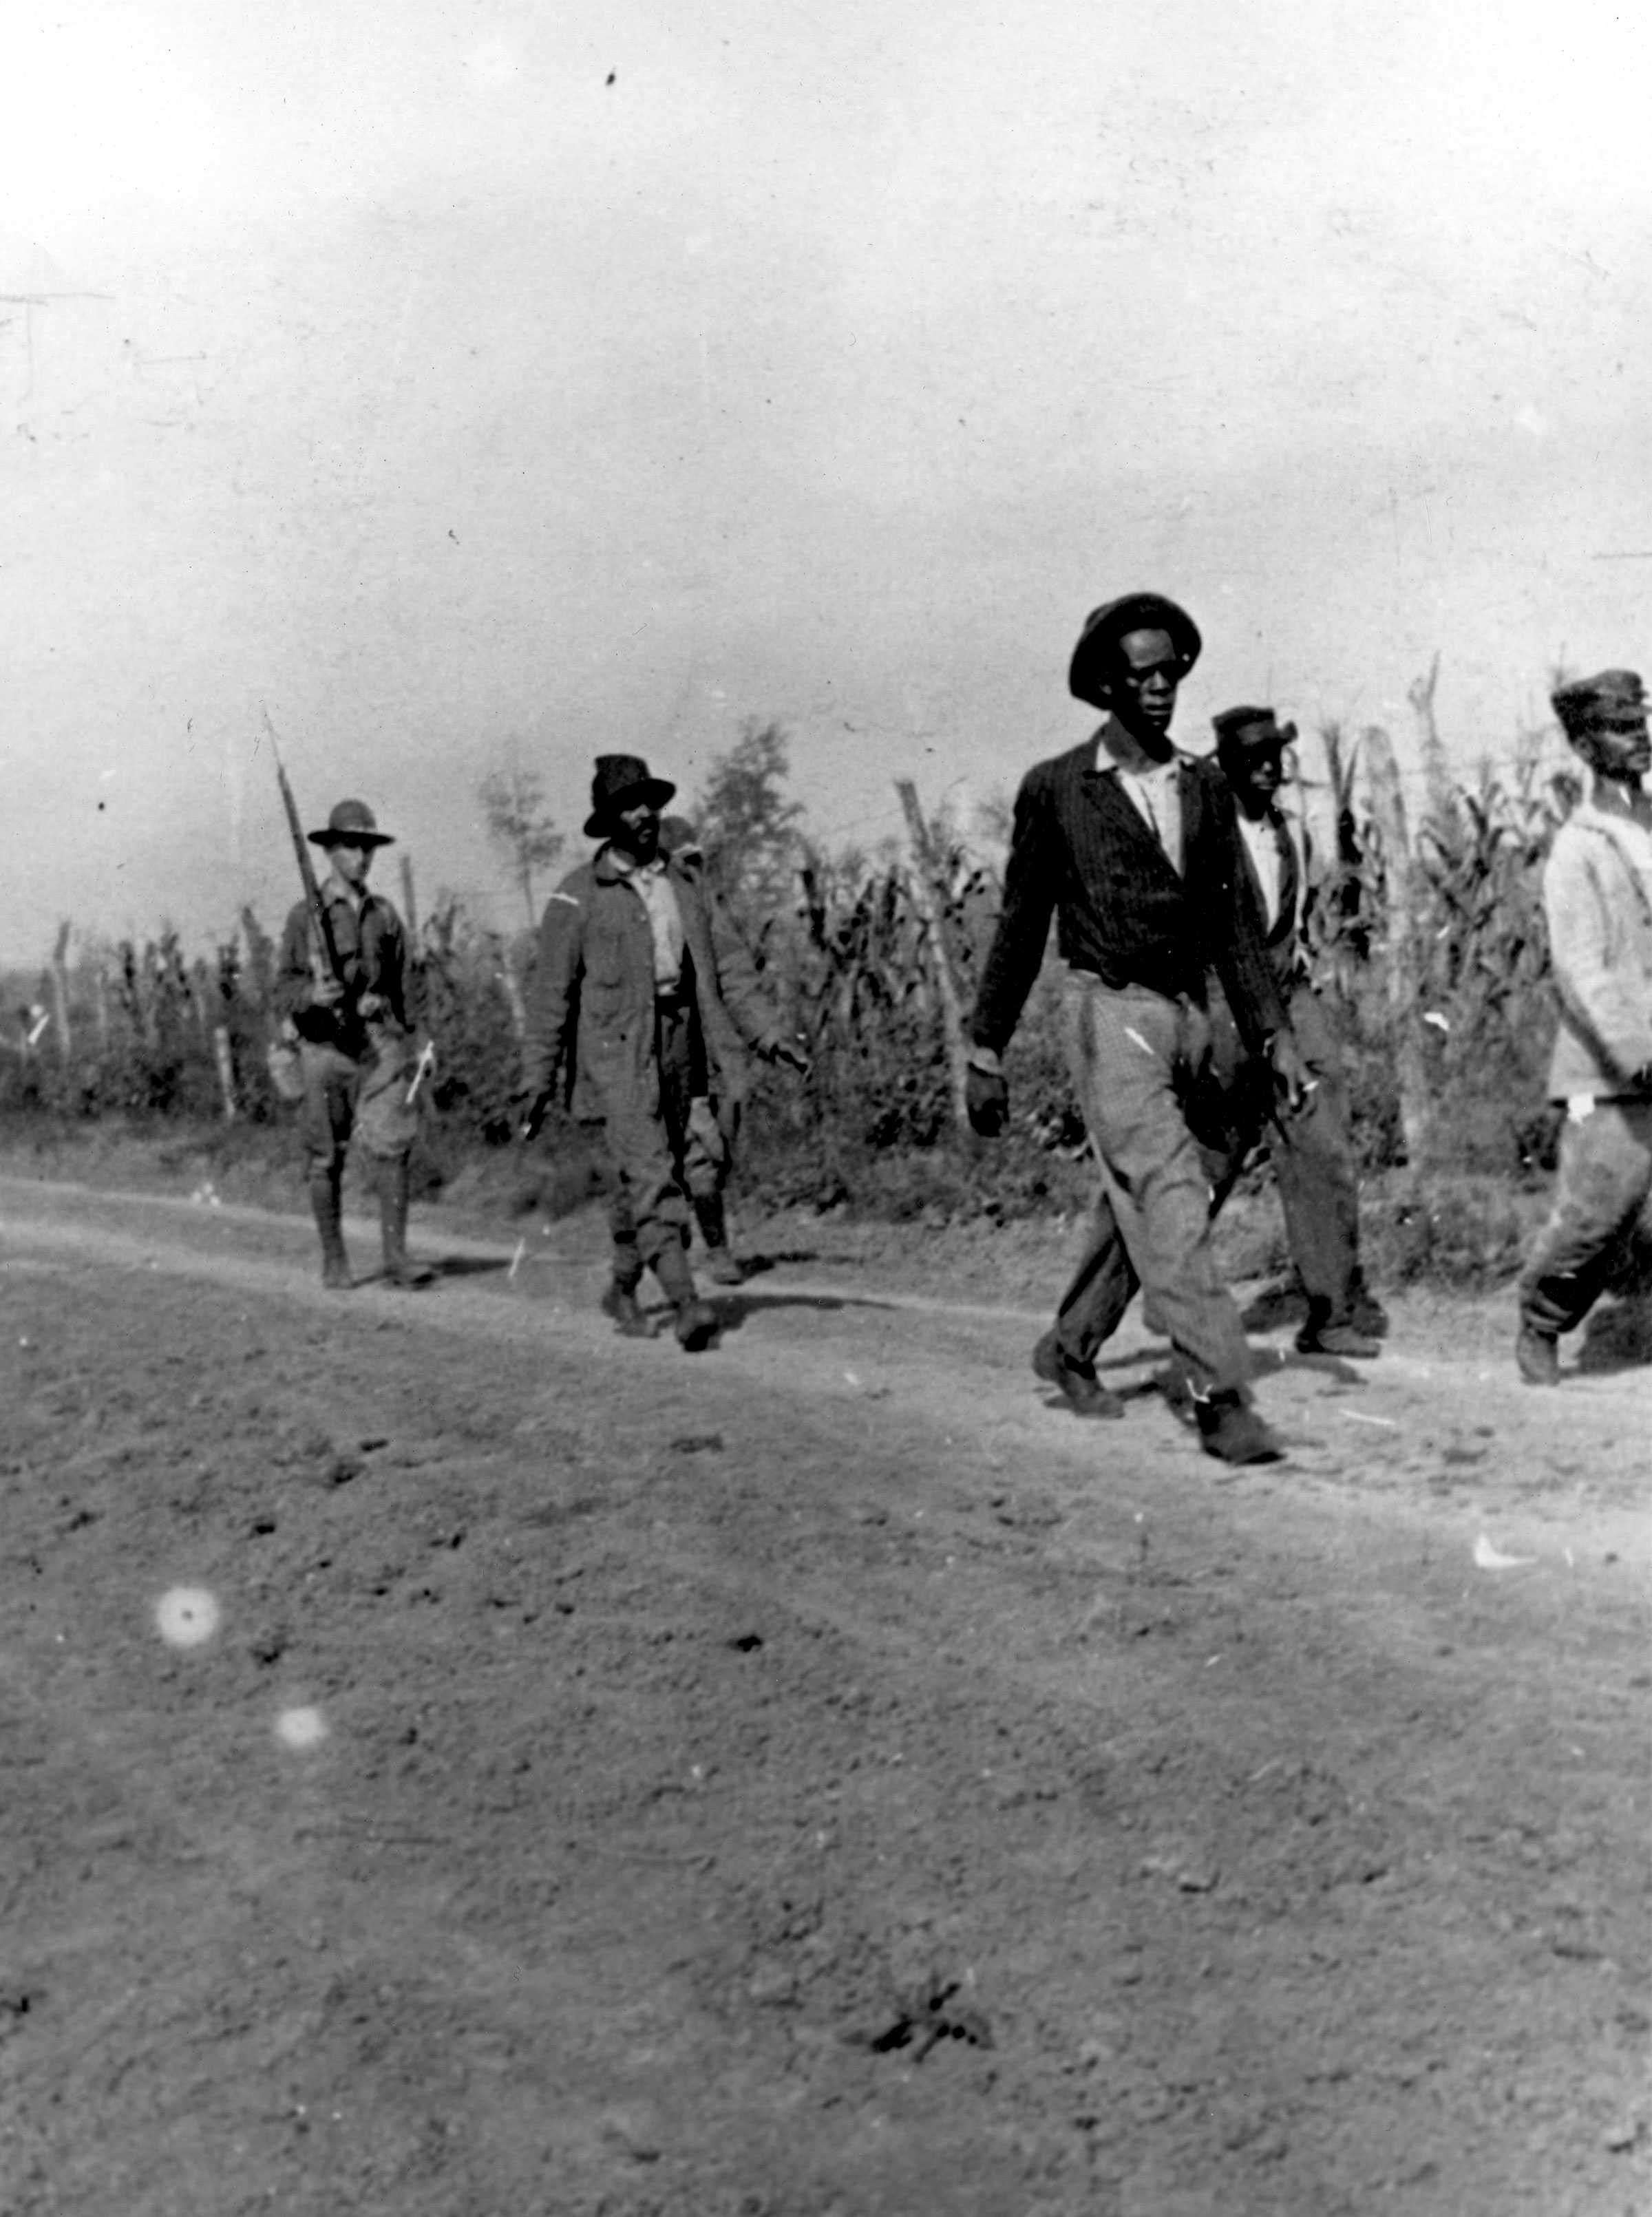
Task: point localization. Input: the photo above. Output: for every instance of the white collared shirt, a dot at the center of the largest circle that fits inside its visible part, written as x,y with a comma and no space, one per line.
1156,794
1261,839
654,889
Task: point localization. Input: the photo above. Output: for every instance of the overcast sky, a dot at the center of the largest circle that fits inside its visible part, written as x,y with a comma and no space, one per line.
453,377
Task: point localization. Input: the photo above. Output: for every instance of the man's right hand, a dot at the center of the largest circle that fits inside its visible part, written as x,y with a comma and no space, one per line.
987,1097
326,993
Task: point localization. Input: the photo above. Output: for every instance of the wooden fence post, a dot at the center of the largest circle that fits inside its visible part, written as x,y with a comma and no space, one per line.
226,1070
922,893
60,989
1403,889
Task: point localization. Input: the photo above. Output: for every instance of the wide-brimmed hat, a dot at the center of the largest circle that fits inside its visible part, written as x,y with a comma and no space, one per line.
1614,700
1245,729
623,782
351,822
1089,671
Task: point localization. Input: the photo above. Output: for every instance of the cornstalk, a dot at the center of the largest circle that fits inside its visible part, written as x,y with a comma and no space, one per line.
922,893
1404,888
60,989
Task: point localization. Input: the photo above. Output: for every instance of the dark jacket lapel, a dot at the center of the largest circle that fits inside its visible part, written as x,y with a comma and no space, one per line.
1101,790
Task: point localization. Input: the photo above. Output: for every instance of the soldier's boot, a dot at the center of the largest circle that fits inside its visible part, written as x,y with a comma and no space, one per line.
395,1180
325,1205
697,1322
722,1267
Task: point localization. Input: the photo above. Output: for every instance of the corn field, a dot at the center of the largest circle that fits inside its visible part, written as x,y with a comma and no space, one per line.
1429,939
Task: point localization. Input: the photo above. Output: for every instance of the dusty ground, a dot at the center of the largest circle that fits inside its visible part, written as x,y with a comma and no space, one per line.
818,1776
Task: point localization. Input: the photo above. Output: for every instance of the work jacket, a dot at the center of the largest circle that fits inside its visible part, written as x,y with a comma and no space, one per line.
1597,897
592,999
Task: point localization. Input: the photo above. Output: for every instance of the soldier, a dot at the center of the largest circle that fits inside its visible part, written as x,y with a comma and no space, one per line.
1597,896
1132,845
354,1032
627,992
1313,1152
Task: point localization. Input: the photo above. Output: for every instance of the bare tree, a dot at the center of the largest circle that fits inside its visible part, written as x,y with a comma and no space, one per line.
747,824
513,807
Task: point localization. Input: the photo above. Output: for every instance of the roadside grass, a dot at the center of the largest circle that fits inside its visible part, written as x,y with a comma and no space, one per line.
1447,1229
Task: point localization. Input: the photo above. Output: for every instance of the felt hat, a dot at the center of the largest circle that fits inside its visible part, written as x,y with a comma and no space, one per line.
1089,672
352,823
623,782
1240,730
1614,700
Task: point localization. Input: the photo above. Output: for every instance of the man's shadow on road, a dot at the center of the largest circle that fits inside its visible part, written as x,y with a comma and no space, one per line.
735,1310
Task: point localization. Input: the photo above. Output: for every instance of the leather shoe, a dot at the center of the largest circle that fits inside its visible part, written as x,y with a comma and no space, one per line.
697,1324
722,1266
1537,1357
1083,1392
1346,1339
1232,1432
621,1303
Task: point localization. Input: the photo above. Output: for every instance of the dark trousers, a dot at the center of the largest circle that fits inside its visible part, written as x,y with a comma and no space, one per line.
661,1149
1315,1165
1605,1188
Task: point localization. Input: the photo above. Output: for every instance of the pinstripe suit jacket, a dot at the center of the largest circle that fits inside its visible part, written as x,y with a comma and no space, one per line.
1081,852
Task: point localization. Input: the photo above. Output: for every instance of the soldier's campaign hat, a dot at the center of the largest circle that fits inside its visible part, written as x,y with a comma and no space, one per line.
1240,730
1614,700
623,782
352,821
1091,669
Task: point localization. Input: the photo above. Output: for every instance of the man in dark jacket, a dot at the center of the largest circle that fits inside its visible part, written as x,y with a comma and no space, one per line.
1313,1161
713,1124
355,1030
1132,846
626,998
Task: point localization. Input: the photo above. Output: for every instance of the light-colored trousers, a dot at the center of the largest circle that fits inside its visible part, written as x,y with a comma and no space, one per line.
1140,1064
1605,1188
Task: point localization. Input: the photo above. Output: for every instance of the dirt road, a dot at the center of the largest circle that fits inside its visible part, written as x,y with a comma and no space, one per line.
458,1763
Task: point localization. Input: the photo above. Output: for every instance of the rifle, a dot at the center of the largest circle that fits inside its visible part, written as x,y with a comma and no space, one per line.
321,923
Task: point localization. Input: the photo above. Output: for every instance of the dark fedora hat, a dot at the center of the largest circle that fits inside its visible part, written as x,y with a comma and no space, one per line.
1239,729
352,823
1088,676
623,782
1614,700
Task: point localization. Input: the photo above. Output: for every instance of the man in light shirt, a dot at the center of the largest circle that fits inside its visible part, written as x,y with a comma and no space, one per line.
1597,897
